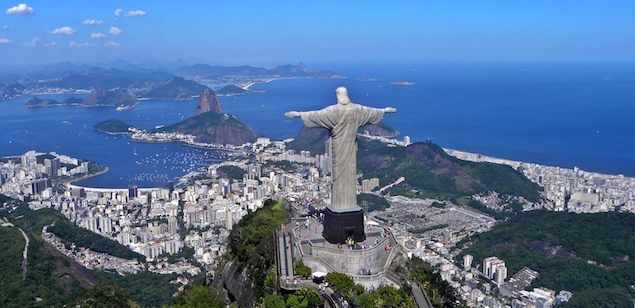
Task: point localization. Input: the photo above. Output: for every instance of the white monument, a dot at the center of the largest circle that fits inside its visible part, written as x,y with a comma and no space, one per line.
343,217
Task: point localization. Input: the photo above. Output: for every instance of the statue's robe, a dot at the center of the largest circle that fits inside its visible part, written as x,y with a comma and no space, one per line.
343,121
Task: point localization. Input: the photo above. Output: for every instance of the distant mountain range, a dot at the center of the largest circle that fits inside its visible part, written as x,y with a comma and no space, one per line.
176,88
288,70
122,99
152,80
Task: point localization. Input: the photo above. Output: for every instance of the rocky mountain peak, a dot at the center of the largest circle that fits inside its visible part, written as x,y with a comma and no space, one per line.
207,102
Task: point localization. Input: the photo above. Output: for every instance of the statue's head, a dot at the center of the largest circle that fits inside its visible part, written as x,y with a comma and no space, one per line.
342,96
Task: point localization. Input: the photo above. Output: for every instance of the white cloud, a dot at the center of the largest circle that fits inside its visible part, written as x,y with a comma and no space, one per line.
115,31
20,9
5,27
112,44
50,44
78,45
31,43
64,30
97,35
4,41
135,13
118,12
92,22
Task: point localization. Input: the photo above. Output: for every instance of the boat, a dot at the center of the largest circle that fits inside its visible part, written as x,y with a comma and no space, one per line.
135,152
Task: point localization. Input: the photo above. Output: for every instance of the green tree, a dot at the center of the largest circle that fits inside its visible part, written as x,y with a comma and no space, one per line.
251,243
293,302
105,295
386,296
344,283
274,301
308,298
270,281
198,296
302,269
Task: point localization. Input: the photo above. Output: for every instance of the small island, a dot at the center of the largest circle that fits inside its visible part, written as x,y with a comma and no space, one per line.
230,90
113,127
366,78
36,102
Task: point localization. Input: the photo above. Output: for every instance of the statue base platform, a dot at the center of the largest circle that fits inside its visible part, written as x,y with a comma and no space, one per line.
340,225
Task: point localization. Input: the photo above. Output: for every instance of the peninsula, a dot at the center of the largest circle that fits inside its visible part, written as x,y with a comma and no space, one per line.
209,127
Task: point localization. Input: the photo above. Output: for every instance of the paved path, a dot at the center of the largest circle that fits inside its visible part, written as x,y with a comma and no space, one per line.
24,254
420,296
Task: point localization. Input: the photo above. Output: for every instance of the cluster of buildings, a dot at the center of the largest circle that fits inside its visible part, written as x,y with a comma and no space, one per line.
160,137
91,259
198,213
572,190
30,174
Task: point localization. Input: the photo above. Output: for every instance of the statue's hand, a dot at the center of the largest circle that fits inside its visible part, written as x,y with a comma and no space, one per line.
389,110
292,114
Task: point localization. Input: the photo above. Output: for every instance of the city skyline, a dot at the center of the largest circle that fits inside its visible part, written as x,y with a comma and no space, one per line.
245,32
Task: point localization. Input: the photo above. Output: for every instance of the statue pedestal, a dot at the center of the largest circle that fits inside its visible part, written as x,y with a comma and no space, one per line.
340,225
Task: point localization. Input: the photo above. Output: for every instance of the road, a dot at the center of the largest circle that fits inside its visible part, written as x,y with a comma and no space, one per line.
24,254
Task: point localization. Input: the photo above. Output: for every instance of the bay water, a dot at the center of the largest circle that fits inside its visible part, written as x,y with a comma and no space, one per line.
554,113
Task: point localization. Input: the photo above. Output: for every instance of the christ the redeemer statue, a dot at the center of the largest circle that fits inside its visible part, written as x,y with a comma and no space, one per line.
343,218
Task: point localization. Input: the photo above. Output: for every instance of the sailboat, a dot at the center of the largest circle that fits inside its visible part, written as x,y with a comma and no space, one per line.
135,152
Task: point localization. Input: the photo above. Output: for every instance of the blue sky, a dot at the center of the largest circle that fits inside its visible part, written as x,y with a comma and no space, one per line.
270,33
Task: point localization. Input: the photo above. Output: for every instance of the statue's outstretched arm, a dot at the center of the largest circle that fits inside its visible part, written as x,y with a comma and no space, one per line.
292,114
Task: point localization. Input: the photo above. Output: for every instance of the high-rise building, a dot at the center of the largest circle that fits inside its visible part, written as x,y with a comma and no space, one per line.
38,186
501,274
172,225
229,221
105,225
406,140
467,261
543,303
78,193
490,265
55,165
132,191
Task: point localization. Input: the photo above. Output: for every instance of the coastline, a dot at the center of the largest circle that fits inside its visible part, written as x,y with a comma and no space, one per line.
71,185
477,157
88,176
101,189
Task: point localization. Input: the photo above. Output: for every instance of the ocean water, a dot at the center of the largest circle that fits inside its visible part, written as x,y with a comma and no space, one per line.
562,114
68,130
